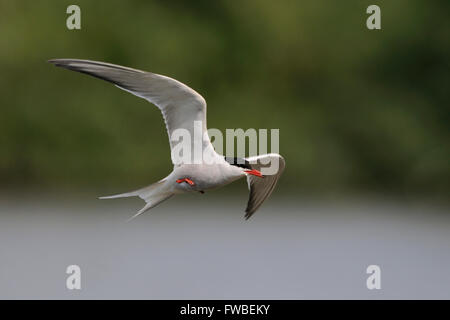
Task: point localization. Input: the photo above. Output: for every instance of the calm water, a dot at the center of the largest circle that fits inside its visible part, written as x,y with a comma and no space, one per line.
201,247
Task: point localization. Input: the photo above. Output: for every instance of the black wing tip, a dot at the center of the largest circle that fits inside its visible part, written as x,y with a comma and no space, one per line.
57,61
70,63
75,64
248,215
64,63
53,61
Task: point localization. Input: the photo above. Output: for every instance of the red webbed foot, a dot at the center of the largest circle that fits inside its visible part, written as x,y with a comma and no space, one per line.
187,180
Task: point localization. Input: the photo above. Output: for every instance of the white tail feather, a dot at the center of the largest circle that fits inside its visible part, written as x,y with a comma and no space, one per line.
122,195
153,195
152,202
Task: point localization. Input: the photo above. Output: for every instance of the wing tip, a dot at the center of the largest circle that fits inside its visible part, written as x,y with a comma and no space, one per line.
57,62
248,214
64,63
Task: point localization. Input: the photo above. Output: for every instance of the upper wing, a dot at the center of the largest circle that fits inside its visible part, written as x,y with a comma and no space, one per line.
261,188
180,105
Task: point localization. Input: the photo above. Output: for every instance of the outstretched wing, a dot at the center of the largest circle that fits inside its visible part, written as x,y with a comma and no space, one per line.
181,107
261,188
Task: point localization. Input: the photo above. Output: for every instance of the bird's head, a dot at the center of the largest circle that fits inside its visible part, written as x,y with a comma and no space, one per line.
244,165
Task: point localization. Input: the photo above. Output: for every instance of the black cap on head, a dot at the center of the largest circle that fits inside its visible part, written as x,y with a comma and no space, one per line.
238,162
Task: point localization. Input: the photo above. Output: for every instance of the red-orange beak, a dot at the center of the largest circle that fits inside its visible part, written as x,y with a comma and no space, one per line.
254,173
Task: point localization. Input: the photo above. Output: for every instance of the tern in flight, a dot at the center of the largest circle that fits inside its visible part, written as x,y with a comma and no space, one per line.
181,108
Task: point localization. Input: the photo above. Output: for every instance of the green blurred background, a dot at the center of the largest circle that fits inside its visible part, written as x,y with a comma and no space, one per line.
358,110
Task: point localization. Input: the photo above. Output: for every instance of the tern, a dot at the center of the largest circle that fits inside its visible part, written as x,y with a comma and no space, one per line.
181,107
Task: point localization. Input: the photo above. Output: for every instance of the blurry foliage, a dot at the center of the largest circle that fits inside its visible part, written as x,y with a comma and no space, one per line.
357,109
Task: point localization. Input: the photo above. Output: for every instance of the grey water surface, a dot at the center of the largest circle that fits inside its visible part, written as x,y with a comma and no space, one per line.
200,247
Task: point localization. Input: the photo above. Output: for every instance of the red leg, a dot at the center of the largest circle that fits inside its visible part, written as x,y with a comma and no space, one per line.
186,180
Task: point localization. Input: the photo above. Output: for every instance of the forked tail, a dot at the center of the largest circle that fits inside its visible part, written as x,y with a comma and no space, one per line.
153,195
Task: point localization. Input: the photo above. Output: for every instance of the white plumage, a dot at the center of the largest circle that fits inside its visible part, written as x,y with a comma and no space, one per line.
181,108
